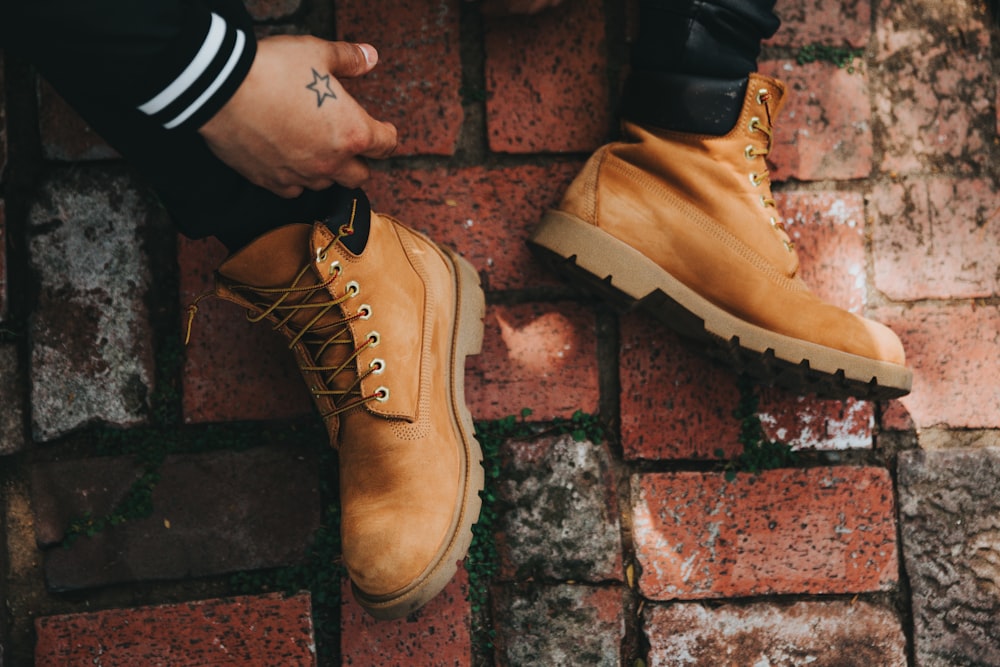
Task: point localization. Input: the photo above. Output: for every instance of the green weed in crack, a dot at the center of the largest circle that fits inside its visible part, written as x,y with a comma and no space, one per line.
759,453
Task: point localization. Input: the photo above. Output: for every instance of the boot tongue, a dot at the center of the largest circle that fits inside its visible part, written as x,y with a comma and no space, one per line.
273,260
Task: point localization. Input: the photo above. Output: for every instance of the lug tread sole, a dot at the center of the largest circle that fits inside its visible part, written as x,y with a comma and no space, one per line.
629,280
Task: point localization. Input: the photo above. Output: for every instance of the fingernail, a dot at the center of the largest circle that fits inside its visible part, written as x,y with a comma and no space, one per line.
371,55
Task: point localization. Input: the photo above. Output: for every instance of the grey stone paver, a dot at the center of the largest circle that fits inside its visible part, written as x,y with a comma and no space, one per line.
559,517
91,344
544,626
950,519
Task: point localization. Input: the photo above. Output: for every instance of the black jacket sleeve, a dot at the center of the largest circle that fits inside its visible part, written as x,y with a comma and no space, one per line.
176,61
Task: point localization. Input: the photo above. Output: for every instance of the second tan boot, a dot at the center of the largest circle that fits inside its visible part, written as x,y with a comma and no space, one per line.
685,225
381,339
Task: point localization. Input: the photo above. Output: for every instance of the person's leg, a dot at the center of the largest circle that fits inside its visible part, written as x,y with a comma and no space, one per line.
380,321
679,217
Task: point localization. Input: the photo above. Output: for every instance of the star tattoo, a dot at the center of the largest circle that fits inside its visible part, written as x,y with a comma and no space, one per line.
321,86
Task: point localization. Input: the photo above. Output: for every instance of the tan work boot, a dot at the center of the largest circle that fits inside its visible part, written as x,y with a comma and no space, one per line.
685,225
381,339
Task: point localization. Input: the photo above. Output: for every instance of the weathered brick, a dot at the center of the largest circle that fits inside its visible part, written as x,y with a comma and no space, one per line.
932,238
819,634
806,422
949,513
252,631
12,387
485,214
547,81
538,356
820,530
233,370
952,350
91,351
438,634
65,136
806,22
828,229
559,625
558,511
933,87
212,514
824,130
416,82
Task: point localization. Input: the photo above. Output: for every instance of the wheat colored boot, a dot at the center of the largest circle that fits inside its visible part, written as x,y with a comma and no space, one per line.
685,226
381,340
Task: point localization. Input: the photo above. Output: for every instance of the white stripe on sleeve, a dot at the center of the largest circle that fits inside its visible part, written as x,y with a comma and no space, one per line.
219,80
206,54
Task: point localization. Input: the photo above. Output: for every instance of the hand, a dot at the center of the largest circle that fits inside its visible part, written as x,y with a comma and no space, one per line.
507,7
291,125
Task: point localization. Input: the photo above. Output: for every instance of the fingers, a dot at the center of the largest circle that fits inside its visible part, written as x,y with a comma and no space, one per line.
348,60
383,141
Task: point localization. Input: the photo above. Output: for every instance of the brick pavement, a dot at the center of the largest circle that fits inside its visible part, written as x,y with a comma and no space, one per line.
878,545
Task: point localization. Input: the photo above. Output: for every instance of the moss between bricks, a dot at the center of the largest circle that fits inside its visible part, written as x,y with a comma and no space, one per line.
840,56
323,572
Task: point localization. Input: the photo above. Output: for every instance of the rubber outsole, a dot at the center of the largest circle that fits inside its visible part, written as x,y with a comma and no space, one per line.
629,280
467,340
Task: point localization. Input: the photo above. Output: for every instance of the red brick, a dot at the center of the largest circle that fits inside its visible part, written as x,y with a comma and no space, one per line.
438,634
933,238
416,82
820,634
933,101
675,404
821,530
66,136
547,81
805,22
824,130
258,631
537,356
953,352
233,370
484,214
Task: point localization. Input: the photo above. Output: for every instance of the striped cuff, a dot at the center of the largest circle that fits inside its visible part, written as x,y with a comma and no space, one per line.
209,80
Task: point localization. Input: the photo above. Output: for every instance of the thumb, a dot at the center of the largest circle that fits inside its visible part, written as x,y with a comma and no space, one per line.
346,59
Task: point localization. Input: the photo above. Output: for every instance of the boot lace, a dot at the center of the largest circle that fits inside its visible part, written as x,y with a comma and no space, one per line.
759,178
313,316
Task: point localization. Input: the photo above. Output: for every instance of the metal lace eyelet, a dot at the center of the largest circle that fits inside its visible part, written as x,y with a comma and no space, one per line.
373,339
377,366
334,267
381,394
789,245
352,288
320,255
754,124
749,152
763,94
364,312
755,179
763,201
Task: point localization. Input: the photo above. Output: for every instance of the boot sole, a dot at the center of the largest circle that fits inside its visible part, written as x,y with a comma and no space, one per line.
631,280
467,340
